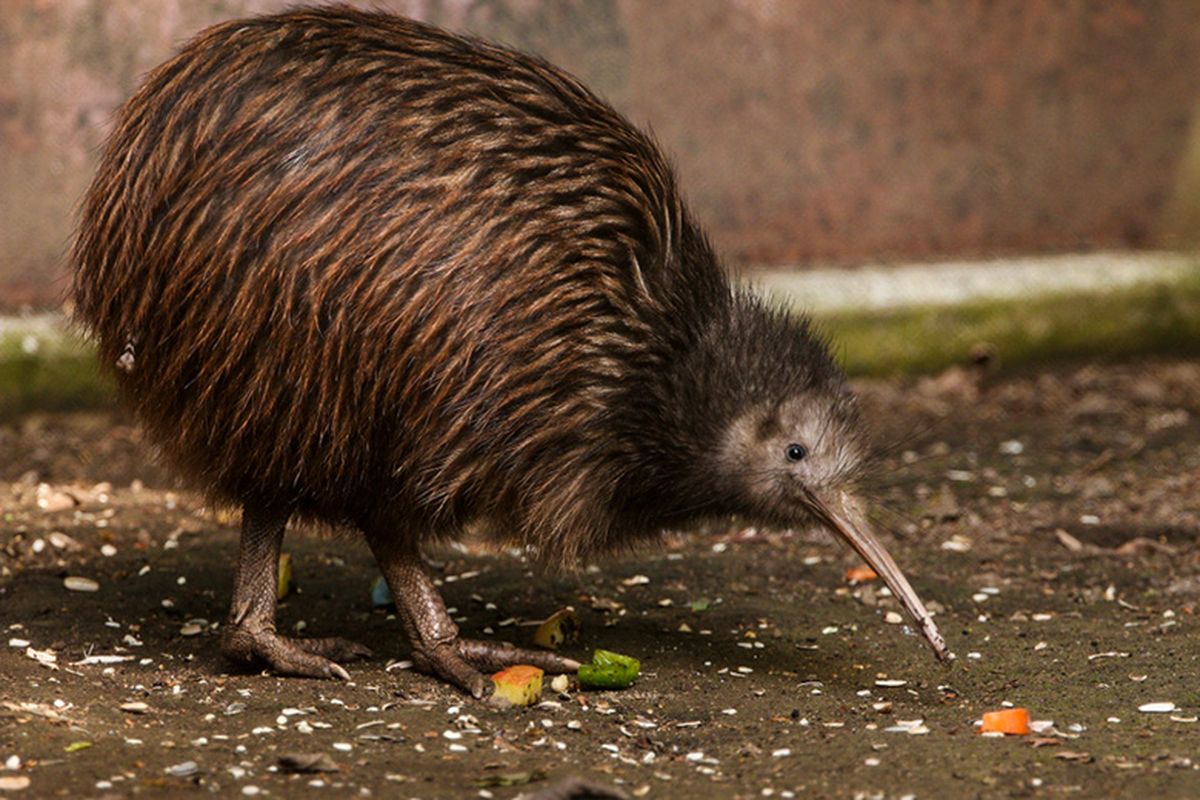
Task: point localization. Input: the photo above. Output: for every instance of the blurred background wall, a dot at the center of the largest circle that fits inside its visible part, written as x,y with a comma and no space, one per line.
805,130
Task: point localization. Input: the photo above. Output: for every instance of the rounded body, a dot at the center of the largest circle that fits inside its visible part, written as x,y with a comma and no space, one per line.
374,273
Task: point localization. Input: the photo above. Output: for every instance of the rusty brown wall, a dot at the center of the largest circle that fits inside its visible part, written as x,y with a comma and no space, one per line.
804,129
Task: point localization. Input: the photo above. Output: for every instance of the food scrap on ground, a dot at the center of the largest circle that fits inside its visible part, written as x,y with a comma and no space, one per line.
860,575
562,627
520,685
283,579
381,595
1014,721
609,670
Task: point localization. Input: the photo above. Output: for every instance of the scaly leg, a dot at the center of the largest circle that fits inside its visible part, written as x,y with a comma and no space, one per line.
249,636
437,650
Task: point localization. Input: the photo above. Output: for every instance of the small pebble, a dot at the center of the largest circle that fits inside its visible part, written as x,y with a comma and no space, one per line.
190,629
343,747
108,550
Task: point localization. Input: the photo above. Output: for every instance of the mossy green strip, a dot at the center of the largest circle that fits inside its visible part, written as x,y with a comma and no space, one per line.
1160,318
49,370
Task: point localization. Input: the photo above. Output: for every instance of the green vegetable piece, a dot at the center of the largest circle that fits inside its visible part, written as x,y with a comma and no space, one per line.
607,658
592,676
609,670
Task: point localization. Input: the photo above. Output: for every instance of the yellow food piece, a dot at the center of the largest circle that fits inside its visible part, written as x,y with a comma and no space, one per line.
562,626
283,585
520,685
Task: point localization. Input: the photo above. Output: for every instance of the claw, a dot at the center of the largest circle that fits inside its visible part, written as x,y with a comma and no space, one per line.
284,655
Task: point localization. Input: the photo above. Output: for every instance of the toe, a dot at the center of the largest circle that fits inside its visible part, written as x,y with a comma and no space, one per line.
496,655
444,661
282,655
334,648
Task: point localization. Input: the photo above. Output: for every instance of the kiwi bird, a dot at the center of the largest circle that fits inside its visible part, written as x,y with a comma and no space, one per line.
354,269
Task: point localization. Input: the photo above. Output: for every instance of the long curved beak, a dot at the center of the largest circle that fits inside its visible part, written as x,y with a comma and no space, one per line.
841,513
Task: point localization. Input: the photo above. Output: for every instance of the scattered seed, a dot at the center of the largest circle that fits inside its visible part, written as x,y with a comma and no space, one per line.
957,544
75,583
1068,541
1157,708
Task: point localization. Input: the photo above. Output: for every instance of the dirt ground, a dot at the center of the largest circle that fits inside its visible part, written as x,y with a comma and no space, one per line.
1051,518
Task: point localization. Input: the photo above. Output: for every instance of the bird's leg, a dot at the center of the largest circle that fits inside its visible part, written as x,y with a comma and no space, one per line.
437,648
249,635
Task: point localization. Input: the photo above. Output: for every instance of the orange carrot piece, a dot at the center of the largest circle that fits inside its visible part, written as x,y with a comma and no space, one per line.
860,574
1008,720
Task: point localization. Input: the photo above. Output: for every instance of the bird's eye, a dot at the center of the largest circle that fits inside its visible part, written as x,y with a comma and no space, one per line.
795,452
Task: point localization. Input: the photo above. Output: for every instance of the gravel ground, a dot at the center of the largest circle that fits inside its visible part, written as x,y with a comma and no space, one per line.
1050,517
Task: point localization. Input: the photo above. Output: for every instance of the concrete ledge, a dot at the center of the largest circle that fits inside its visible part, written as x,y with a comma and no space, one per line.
882,287
923,318
883,321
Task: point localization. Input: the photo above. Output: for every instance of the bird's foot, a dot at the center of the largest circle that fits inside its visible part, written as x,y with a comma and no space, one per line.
285,655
